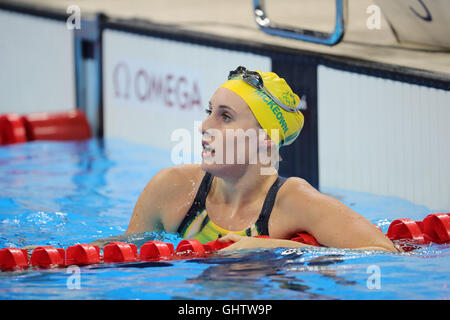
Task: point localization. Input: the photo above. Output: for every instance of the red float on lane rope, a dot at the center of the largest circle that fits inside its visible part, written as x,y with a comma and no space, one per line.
154,250
119,252
216,245
305,238
71,125
406,229
82,254
190,246
48,256
13,259
437,227
12,129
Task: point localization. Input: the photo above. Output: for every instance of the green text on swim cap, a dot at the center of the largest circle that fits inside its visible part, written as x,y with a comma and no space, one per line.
275,109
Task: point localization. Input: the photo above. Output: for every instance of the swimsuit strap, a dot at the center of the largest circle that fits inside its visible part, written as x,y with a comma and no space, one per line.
199,203
262,224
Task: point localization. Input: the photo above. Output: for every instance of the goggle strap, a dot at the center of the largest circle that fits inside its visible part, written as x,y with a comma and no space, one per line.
248,75
281,104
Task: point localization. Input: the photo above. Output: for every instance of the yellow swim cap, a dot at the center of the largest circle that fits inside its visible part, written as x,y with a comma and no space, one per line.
266,111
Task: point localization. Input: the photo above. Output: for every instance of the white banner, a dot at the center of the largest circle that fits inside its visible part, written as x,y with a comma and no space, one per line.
384,137
153,86
36,64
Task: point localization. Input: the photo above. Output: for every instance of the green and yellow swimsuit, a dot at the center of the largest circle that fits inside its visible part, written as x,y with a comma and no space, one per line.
197,225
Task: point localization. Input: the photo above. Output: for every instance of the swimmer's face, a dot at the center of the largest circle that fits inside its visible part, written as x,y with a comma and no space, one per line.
230,133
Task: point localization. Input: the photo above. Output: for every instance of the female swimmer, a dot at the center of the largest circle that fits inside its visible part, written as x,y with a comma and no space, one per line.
236,193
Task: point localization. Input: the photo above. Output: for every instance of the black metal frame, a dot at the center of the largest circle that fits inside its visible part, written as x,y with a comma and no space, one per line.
329,39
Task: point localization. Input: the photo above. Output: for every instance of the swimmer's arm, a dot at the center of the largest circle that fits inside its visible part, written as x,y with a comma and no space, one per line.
147,213
103,242
332,223
243,242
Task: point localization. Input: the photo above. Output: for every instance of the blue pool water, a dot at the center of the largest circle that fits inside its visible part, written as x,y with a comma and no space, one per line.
61,194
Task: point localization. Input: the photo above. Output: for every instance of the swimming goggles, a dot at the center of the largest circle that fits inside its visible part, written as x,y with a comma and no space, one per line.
254,79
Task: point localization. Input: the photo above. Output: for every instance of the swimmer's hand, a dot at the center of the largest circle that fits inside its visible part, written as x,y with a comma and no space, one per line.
243,242
101,243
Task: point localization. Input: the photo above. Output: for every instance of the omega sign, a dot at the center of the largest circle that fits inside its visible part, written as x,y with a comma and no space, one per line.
170,87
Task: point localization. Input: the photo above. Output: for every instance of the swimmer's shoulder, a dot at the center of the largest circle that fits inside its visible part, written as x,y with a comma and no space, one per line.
176,183
298,193
173,182
177,187
180,177
165,199
291,205
297,186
